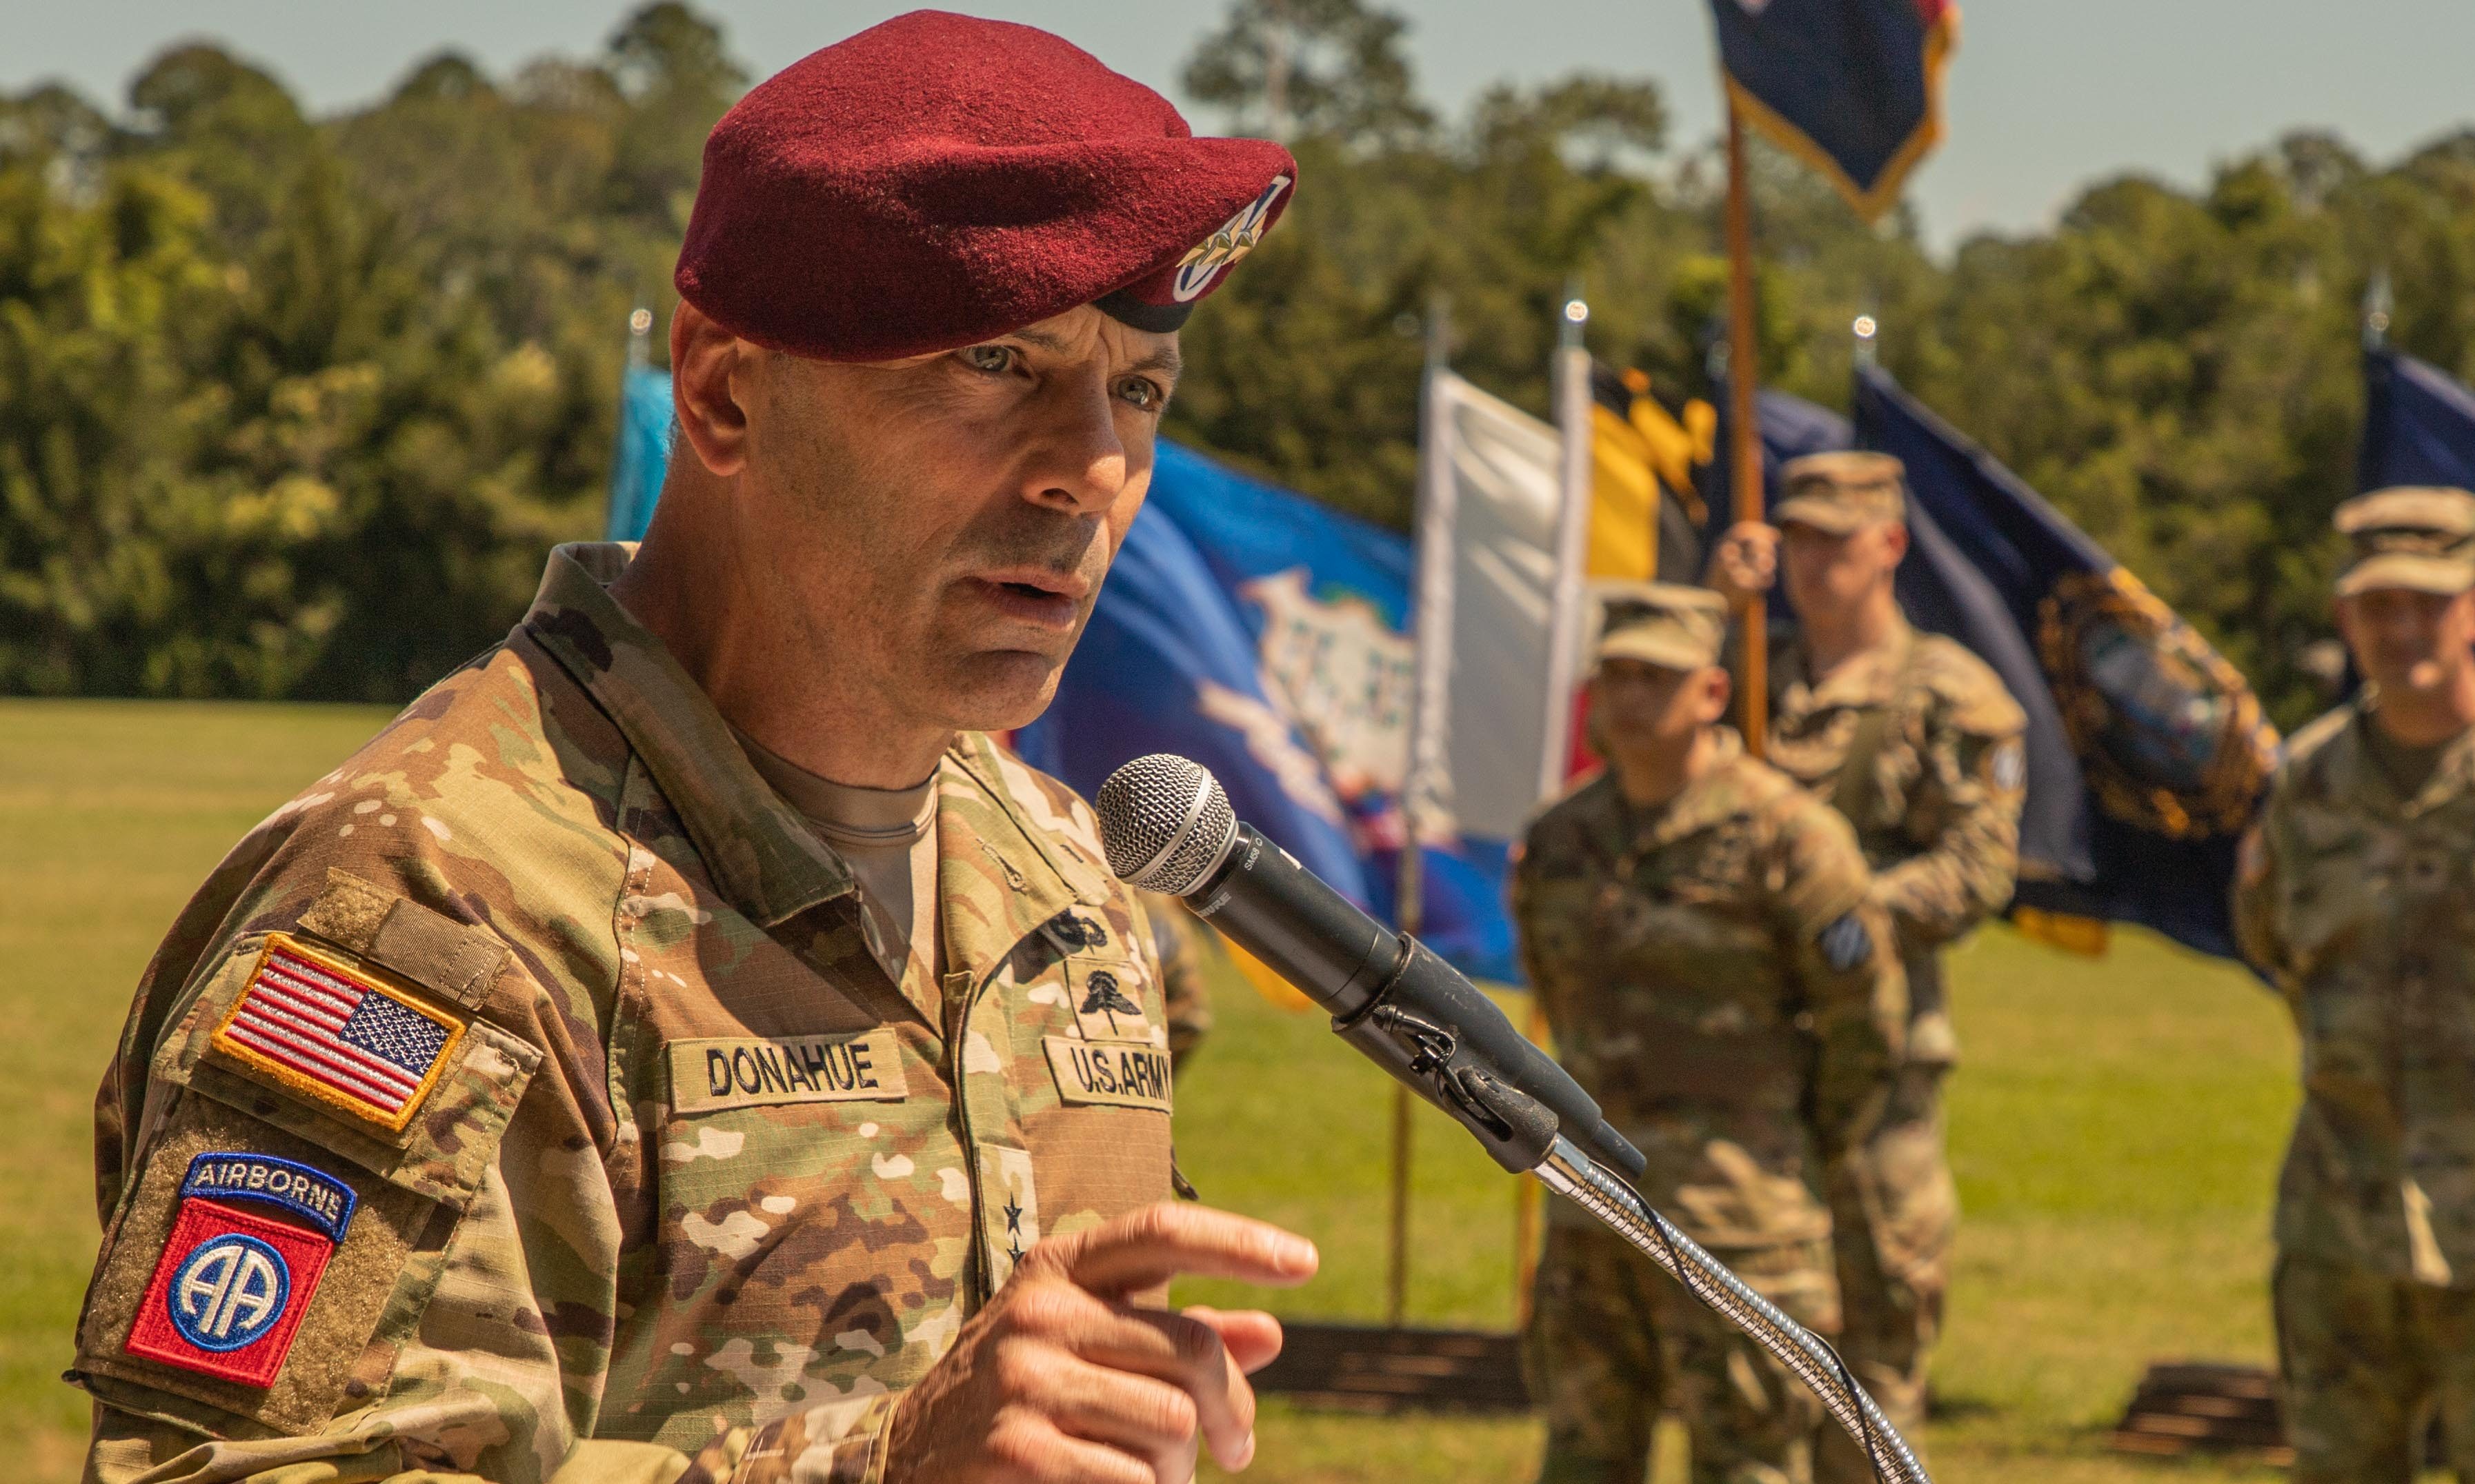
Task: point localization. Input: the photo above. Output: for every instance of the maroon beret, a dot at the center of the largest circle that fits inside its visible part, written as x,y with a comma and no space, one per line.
938,179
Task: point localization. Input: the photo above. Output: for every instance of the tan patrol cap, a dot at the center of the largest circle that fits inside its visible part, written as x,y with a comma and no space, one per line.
1664,624
2414,537
1842,492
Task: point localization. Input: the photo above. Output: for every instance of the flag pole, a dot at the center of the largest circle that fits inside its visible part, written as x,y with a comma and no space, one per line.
1421,778
1744,437
1572,393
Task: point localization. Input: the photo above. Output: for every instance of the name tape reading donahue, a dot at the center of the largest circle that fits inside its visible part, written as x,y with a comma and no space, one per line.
756,1071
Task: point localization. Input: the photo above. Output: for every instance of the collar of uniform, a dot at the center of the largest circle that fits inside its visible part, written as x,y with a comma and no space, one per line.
2365,779
1702,805
1867,680
763,855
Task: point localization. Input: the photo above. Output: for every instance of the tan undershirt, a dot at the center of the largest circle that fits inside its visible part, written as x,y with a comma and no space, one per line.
889,839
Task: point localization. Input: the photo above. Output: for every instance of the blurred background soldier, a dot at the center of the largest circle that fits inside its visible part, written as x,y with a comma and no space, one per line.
1703,937
1916,741
2354,896
1178,938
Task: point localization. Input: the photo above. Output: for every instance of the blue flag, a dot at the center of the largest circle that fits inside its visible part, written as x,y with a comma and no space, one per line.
2419,424
1852,86
645,429
2146,751
1265,637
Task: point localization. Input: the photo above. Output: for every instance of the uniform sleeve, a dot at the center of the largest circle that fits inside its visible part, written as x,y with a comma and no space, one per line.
286,1283
1964,815
1845,959
2255,895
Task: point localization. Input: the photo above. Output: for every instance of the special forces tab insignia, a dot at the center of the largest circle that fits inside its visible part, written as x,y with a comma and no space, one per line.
230,1291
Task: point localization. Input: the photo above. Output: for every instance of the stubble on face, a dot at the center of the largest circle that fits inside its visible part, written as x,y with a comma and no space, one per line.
876,515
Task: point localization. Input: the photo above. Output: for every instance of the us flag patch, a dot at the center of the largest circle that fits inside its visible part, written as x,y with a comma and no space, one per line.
338,1035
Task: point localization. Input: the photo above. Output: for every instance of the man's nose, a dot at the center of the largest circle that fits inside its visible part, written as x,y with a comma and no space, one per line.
1077,462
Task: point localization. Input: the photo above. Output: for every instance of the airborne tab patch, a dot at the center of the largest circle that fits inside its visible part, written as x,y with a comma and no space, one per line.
1112,1074
346,1038
315,1196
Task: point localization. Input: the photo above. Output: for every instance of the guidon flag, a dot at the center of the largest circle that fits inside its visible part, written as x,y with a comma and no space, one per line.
1853,87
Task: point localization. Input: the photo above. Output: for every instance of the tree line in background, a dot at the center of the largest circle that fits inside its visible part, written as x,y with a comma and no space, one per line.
291,406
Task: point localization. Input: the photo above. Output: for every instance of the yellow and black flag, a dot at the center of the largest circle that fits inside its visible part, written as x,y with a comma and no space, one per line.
1647,518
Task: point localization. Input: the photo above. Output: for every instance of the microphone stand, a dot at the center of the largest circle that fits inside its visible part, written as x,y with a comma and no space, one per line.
1522,1134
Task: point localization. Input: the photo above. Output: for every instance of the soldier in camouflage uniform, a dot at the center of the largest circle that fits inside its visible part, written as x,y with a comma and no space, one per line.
2354,896
1177,936
551,1090
1918,743
1703,940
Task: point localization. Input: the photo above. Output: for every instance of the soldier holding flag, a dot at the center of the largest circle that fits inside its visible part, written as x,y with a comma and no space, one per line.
1917,743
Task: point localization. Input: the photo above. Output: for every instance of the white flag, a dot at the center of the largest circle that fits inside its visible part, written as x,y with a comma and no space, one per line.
1493,691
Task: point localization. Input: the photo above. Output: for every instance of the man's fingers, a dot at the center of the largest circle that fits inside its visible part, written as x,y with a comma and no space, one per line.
1033,1447
1155,1419
1253,1336
1190,1353
1159,1242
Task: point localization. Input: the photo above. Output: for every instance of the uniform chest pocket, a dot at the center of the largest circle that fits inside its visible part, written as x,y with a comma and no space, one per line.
322,1131
807,1185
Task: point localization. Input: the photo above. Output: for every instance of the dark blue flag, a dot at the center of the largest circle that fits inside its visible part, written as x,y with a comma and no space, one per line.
2146,751
2419,424
1852,86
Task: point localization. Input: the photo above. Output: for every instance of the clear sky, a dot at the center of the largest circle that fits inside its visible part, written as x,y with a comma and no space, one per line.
2045,96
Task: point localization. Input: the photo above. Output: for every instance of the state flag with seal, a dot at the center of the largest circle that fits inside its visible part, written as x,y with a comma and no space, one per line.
230,1291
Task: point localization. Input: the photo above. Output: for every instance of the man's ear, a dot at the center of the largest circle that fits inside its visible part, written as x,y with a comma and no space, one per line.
1718,688
708,384
1895,542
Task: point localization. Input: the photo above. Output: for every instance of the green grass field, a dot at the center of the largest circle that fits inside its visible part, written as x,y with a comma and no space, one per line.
2115,1127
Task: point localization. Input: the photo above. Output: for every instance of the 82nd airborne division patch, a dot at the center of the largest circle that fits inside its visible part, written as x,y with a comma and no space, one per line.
228,1293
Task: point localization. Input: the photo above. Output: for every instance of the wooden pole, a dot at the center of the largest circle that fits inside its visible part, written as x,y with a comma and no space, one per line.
1744,438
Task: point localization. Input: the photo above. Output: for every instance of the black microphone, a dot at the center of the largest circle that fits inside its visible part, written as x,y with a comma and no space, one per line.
1166,826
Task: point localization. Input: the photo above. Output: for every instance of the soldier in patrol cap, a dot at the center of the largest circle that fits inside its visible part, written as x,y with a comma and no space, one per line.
683,1045
1918,743
2355,894
1704,941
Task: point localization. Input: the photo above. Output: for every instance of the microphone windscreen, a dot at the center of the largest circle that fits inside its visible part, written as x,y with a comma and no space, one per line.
1165,822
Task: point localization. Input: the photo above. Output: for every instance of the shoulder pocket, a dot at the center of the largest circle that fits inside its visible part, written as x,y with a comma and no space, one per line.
326,1126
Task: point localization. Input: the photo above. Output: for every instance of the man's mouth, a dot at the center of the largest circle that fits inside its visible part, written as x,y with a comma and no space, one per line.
1045,599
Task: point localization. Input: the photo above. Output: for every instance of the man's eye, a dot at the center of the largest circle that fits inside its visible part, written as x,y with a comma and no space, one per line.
990,358
1141,393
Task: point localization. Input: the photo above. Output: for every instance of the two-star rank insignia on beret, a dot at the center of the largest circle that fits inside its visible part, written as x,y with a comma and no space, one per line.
341,1037
233,1284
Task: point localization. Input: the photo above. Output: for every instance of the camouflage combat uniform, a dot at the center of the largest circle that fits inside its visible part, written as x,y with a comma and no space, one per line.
2358,900
1177,937
1935,801
1717,977
686,1174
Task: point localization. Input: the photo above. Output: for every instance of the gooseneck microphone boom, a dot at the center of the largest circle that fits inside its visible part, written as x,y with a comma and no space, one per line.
1167,826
